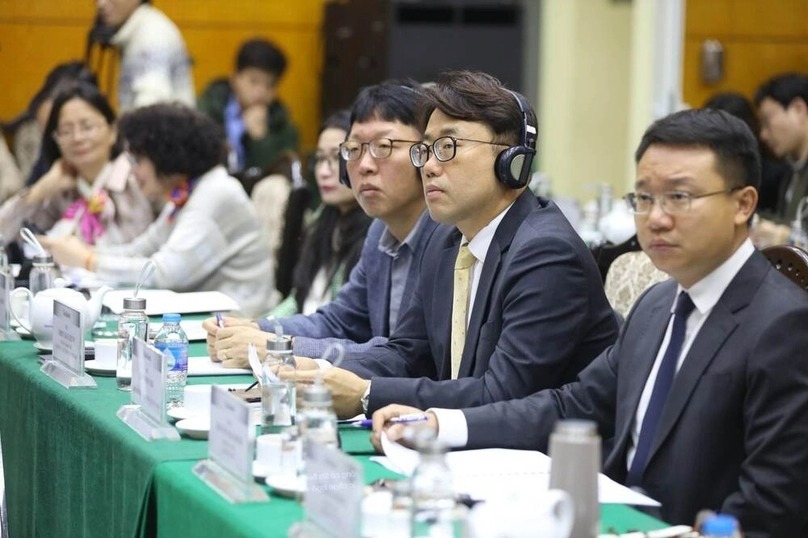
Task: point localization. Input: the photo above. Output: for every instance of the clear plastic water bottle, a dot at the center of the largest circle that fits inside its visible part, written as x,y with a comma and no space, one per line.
318,422
4,267
721,526
173,339
133,323
43,273
797,236
433,502
278,393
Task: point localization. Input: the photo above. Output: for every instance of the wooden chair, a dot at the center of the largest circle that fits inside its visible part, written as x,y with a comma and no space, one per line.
791,261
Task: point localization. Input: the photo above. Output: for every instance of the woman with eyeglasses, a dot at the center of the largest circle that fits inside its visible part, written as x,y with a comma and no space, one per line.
207,238
88,189
334,239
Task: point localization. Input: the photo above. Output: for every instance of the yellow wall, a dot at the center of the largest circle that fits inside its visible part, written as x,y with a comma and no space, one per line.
760,40
584,84
37,34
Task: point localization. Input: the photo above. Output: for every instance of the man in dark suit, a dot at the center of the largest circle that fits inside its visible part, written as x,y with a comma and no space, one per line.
509,299
705,392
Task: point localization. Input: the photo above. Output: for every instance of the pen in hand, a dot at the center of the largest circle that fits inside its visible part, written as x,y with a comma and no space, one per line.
219,320
403,419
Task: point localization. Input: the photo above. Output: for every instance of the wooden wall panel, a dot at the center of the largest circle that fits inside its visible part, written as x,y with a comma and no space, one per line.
37,34
760,39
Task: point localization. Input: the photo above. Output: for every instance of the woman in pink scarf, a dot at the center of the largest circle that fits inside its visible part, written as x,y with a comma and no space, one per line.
86,191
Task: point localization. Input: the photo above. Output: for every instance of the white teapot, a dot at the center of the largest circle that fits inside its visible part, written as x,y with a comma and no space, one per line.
39,321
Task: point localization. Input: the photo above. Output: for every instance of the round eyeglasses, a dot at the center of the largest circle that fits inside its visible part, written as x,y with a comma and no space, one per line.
65,133
331,159
671,202
380,148
444,149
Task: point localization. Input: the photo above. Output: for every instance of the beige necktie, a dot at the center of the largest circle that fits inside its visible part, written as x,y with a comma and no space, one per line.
460,304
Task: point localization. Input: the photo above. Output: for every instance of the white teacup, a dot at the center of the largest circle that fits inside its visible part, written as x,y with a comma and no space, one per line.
106,353
549,515
196,400
380,519
269,453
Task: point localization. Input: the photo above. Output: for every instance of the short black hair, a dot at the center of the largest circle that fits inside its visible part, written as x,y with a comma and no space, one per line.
261,54
784,89
729,138
341,119
90,94
477,97
392,100
176,138
737,105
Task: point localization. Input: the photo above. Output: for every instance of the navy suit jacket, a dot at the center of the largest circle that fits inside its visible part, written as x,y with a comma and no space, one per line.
733,435
539,317
358,317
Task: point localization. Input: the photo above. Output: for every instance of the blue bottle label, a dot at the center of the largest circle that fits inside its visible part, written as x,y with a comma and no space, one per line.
178,360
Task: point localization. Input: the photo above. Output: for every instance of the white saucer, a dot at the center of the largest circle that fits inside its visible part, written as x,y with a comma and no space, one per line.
259,471
179,413
287,486
195,428
42,347
96,369
22,331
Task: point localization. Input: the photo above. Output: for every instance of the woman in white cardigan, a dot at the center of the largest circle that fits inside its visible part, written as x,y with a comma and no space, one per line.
207,237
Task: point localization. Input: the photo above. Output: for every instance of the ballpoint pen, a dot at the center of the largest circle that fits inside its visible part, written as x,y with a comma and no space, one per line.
403,419
219,320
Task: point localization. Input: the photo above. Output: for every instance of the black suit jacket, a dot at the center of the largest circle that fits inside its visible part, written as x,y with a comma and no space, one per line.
539,317
733,435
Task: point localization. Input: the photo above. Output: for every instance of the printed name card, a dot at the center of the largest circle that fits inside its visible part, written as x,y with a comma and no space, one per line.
231,436
334,484
68,338
152,380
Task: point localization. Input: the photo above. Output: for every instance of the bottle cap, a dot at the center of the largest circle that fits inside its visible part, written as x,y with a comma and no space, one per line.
425,441
279,344
720,524
576,428
134,303
317,395
171,318
43,258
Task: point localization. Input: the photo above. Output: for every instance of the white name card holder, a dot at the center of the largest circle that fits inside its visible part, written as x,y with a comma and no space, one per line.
66,365
6,332
333,499
228,469
148,418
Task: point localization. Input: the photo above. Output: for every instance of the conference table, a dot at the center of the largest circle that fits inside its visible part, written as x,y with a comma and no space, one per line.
72,468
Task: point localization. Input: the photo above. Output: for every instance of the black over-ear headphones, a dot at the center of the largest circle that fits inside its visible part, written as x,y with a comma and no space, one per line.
512,166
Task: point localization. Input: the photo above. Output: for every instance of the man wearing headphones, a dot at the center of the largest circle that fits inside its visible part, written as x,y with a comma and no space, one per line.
384,124
509,299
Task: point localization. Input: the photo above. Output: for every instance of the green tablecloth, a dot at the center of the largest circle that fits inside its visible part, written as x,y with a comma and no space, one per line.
180,504
72,468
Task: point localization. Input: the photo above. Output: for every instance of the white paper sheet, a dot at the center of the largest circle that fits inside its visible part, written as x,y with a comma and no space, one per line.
192,327
489,473
166,301
198,366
